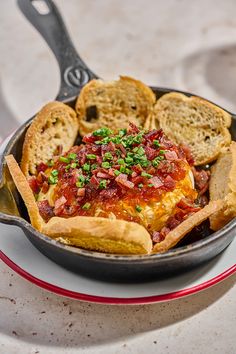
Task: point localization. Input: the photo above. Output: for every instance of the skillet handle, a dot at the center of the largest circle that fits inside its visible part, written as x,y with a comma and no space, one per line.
74,72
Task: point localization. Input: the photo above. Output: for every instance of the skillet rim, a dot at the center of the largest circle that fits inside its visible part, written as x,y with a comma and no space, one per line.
172,253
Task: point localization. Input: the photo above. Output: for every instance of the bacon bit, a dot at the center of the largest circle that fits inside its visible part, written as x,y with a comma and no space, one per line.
81,192
187,204
59,202
33,183
184,151
94,181
157,237
137,180
201,178
45,210
111,172
122,149
169,183
156,181
154,134
42,167
45,187
134,174
41,177
122,179
171,155
90,138
108,193
133,128
104,175
150,153
58,150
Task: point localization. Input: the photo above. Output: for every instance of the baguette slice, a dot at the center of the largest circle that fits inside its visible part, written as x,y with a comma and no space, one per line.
92,233
223,186
114,104
195,122
55,125
174,236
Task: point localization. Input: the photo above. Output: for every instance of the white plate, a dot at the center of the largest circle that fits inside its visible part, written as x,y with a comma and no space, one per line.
20,255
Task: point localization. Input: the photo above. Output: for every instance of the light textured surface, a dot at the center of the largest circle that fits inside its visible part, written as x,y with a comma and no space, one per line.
181,44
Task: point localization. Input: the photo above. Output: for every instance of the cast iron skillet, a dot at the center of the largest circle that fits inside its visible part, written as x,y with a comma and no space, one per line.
75,74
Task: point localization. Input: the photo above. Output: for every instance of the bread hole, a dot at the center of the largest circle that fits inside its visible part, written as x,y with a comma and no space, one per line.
134,108
91,113
57,136
207,138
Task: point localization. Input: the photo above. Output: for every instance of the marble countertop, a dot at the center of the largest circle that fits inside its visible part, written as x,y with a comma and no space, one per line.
179,44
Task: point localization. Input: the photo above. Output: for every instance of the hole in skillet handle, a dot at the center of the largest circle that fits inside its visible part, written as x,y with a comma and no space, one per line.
41,6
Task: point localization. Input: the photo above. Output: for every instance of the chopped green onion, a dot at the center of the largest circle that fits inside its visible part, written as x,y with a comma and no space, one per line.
117,173
102,132
50,163
108,156
86,206
129,160
64,159
128,171
86,167
150,185
102,184
122,168
79,184
73,165
162,152
145,174
94,166
138,208
120,161
91,156
72,156
54,173
122,132
140,185
106,164
156,143
52,180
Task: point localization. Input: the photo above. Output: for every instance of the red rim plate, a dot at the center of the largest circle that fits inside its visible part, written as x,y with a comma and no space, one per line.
112,300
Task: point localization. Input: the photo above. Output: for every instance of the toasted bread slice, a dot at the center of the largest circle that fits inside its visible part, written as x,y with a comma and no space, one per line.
195,122
92,233
223,186
55,125
174,236
100,234
114,104
25,192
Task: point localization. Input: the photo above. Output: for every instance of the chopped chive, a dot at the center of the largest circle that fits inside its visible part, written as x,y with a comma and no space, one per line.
54,173
86,206
145,174
64,159
50,163
120,161
72,156
138,208
94,166
140,185
86,167
79,184
117,173
122,168
162,152
129,160
128,171
102,184
102,132
73,165
52,180
91,156
156,143
150,185
122,132
106,164
108,156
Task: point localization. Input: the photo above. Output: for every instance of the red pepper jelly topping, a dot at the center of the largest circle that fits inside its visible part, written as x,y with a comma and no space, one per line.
92,179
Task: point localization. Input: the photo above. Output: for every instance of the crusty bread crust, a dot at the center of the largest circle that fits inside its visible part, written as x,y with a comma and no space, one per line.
25,192
100,234
174,236
55,125
114,104
195,122
95,233
223,185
